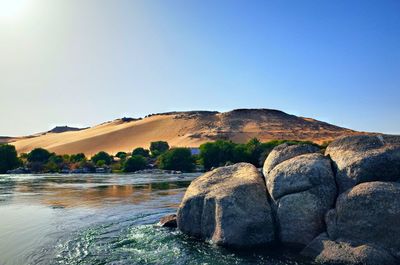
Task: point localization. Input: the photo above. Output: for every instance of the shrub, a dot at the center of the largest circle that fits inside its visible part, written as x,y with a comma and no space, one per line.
39,155
77,158
221,152
214,154
177,159
88,165
116,167
102,156
121,155
50,166
135,163
55,164
141,152
158,148
57,159
241,153
8,158
100,163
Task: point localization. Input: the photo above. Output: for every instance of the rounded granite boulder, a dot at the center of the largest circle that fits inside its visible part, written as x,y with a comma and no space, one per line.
228,206
284,152
303,189
363,228
365,158
368,213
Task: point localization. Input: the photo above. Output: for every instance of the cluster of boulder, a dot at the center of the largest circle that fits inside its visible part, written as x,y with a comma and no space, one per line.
339,207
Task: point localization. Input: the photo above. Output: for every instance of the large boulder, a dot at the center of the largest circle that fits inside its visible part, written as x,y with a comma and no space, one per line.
324,250
228,206
303,189
284,152
368,213
364,158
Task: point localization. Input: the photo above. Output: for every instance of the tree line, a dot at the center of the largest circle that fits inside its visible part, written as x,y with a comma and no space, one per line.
159,155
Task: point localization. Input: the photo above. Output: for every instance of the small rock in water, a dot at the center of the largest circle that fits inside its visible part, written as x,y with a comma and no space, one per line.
168,221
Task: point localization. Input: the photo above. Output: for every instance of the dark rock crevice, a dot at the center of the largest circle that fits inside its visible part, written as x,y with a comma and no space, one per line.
275,222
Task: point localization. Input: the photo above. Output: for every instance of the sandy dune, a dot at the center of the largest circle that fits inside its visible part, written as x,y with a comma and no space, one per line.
188,129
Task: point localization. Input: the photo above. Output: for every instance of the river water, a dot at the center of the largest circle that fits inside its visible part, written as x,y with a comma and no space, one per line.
105,219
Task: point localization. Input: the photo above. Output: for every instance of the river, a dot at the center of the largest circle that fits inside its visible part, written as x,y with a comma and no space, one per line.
105,219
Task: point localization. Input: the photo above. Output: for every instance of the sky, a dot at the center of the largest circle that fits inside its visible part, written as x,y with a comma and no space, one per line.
84,62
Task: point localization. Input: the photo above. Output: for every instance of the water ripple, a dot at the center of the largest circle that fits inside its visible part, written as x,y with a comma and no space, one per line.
95,220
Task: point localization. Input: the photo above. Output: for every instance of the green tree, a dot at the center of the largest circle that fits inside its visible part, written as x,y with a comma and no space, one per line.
215,154
116,167
102,156
209,155
254,149
141,152
241,153
88,165
135,163
121,155
177,159
57,159
100,163
8,158
55,163
51,167
66,157
39,155
225,151
76,158
158,148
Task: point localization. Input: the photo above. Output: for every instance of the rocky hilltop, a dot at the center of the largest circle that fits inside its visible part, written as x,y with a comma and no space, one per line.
61,129
6,139
341,207
188,129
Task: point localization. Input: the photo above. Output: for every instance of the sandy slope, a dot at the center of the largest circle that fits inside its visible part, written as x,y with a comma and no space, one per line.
189,129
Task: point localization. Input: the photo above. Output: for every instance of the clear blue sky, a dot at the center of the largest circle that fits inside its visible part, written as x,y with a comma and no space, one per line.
74,62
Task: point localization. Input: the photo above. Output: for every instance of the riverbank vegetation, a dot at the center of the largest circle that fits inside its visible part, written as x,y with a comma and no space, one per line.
159,156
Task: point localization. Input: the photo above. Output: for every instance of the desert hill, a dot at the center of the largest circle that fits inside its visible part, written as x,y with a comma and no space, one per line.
6,139
57,129
188,129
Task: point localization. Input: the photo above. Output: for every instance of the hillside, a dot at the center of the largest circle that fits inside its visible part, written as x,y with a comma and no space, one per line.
6,139
189,129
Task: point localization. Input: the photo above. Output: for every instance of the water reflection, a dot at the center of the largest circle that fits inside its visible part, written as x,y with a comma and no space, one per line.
7,187
37,212
90,191
98,196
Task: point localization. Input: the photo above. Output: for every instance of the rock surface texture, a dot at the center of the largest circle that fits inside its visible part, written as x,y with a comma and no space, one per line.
365,158
228,206
364,227
324,250
342,208
303,189
370,213
284,152
168,221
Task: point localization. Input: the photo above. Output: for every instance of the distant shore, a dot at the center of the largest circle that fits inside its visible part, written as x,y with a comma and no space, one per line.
160,158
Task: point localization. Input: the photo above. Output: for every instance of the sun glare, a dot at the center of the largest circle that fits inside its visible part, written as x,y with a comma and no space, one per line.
12,8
